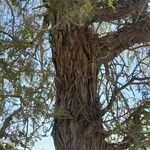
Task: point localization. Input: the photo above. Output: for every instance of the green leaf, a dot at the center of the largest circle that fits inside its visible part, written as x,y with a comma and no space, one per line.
110,4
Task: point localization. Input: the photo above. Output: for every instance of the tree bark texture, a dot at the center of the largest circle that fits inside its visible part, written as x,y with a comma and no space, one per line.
77,54
79,126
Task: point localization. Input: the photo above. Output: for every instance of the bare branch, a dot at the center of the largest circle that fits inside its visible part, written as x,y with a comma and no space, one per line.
9,35
8,121
138,110
118,90
111,45
13,16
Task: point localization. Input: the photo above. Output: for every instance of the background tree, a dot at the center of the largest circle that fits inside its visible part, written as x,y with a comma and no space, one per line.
97,54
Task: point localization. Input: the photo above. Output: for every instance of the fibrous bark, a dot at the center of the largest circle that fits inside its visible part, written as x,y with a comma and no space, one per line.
78,51
76,84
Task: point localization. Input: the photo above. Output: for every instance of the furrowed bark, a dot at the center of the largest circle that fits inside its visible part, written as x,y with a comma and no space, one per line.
79,124
77,53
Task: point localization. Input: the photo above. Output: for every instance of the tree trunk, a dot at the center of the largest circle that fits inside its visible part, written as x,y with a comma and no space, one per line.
77,123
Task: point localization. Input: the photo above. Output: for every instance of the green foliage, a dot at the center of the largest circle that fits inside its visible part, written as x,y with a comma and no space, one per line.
71,15
74,12
110,4
61,113
86,9
7,146
26,76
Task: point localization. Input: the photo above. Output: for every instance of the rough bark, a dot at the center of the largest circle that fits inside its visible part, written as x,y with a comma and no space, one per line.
77,54
79,125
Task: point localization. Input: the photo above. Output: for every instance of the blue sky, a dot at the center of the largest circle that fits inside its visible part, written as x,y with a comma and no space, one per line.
45,144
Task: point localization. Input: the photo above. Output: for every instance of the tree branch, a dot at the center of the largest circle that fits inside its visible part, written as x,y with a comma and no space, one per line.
122,10
117,90
5,33
8,121
111,45
137,110
118,146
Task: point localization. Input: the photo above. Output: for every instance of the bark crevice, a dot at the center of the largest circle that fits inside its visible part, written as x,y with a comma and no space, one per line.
76,91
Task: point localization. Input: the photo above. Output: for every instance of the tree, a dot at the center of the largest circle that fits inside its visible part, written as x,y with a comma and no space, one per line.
100,55
4,145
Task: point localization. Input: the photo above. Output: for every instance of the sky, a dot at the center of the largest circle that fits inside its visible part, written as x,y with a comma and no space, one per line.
45,144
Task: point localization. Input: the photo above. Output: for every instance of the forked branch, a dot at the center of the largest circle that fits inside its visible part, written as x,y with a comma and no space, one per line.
114,43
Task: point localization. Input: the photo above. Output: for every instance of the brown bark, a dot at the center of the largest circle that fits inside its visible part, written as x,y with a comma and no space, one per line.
76,86
77,54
